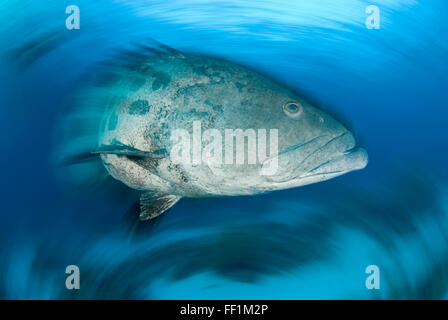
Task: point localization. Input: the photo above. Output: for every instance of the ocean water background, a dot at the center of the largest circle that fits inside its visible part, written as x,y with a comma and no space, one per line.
389,85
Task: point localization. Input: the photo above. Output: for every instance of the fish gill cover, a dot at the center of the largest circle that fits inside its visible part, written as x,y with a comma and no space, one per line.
386,85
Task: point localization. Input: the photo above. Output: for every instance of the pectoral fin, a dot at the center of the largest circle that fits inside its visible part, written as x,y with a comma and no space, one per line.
118,149
145,159
130,152
153,204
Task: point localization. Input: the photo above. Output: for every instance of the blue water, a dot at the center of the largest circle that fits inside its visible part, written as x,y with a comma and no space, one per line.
389,85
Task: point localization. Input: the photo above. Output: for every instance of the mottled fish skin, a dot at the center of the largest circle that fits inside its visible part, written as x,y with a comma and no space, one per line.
169,91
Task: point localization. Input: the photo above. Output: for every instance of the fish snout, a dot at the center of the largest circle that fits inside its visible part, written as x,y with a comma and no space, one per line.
319,159
337,156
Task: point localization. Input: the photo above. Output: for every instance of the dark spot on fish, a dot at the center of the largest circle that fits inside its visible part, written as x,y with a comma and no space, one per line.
112,122
139,107
161,80
217,107
240,86
184,178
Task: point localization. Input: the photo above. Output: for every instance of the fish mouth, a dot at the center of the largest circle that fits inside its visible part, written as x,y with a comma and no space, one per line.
320,158
352,159
337,156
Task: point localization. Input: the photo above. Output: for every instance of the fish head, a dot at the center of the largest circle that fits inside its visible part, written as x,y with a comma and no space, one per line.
312,146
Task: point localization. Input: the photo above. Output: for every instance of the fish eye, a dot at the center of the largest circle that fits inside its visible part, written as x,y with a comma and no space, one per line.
293,109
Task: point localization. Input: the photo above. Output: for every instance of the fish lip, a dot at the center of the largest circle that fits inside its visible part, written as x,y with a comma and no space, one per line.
339,164
351,150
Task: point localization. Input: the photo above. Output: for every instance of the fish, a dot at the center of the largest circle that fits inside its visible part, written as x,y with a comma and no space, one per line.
151,94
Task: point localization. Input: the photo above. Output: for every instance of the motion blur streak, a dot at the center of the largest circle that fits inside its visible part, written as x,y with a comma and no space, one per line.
312,242
234,248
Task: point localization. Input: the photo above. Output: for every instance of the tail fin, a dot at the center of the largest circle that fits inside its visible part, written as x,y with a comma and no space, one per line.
84,119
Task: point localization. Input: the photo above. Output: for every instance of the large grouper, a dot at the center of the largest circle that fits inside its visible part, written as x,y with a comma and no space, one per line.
144,96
